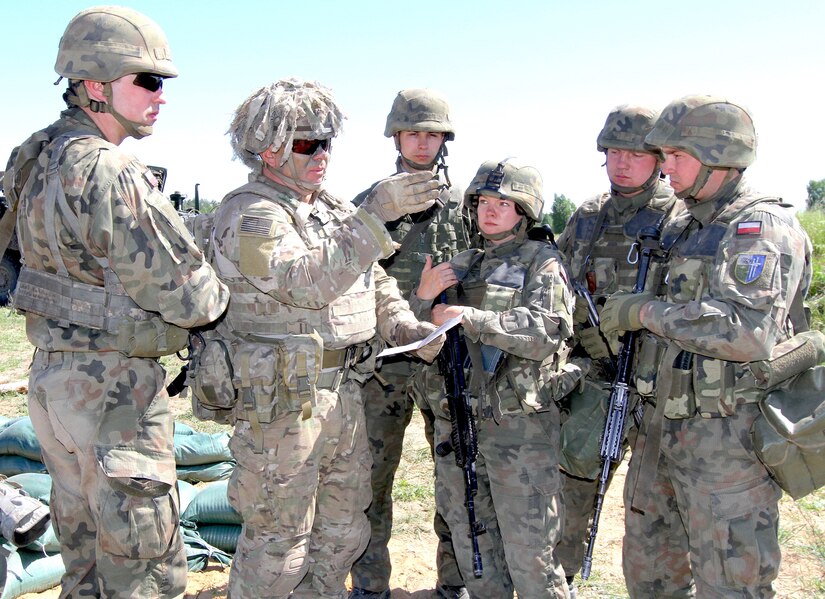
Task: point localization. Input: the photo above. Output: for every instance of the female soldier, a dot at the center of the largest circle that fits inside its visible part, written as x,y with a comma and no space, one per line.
516,307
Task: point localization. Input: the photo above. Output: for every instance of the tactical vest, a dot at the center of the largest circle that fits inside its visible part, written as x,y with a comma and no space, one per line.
59,297
504,383
603,257
695,382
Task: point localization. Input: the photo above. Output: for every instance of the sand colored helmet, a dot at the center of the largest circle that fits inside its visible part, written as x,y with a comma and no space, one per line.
419,110
276,114
509,179
626,128
105,43
718,133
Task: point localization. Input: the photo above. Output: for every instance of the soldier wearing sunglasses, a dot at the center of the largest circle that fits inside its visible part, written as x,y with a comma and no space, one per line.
112,280
307,298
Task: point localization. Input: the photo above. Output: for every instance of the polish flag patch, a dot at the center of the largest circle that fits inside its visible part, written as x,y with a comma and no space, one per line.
752,227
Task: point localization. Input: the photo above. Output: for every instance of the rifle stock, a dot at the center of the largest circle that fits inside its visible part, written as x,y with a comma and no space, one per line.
617,411
463,441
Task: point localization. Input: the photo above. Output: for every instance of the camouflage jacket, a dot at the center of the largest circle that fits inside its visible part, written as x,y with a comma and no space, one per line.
519,302
738,271
296,268
449,233
115,221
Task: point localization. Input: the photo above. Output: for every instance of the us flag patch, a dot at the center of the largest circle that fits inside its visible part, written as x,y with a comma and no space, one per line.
256,225
752,227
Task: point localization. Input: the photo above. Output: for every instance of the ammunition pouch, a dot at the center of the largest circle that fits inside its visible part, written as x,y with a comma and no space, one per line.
210,378
789,436
139,333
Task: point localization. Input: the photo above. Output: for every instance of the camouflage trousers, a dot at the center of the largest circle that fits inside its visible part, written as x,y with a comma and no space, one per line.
705,523
106,435
302,500
518,502
388,414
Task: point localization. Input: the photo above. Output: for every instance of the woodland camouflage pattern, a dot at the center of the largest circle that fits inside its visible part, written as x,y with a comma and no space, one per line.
604,267
733,292
102,419
518,300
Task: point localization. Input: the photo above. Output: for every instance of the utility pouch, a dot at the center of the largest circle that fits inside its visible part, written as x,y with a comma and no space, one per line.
583,415
789,436
789,358
650,354
714,383
151,338
681,402
211,381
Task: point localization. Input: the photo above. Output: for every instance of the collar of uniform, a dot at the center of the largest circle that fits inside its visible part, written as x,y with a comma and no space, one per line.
705,211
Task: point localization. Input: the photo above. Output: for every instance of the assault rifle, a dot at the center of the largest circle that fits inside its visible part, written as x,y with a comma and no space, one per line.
617,411
463,440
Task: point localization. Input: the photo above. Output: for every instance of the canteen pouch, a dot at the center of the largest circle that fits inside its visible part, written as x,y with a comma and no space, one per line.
213,394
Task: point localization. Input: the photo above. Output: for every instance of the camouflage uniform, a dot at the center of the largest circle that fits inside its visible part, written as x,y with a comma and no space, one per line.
110,275
519,302
307,296
596,244
700,508
388,397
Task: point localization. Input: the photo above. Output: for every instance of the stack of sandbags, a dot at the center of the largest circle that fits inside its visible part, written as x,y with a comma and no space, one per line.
202,457
213,517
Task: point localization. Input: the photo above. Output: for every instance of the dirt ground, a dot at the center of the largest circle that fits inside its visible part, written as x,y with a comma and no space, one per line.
413,544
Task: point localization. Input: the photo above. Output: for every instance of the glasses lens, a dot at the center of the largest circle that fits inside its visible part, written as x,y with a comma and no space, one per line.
308,147
148,81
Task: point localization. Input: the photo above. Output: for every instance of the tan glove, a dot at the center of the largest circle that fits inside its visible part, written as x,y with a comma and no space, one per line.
592,342
621,311
404,193
410,333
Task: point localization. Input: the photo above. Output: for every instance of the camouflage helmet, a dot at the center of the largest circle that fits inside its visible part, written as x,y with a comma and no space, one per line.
508,179
105,43
419,110
625,129
276,114
716,132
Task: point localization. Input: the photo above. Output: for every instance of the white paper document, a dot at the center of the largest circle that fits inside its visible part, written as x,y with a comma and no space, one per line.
391,351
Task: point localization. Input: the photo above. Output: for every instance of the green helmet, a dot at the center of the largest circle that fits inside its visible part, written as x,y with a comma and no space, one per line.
718,133
419,110
508,179
275,115
105,43
626,127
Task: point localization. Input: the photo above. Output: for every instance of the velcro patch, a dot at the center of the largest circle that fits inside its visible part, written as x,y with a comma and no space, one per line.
751,227
749,267
256,225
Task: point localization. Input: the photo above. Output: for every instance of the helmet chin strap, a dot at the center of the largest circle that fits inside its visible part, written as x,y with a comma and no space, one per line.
81,98
702,178
294,181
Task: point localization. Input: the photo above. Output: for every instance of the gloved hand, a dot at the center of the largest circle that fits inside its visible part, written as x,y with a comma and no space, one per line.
621,311
592,342
410,333
581,312
404,193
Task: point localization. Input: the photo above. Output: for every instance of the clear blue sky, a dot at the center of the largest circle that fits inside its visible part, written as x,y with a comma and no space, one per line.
533,79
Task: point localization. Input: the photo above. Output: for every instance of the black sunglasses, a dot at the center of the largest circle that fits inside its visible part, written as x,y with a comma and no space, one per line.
308,147
148,81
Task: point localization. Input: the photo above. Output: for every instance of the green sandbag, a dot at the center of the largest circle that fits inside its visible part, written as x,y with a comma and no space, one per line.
181,428
199,552
222,536
18,438
202,448
206,472
186,493
36,484
16,464
211,506
30,572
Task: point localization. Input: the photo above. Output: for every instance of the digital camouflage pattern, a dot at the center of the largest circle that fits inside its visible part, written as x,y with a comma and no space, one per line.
303,276
102,419
713,130
105,43
738,273
388,403
519,301
596,244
